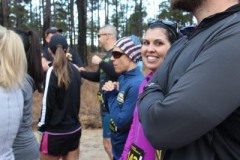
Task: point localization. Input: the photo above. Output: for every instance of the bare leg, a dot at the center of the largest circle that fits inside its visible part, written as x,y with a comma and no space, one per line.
72,155
48,157
108,147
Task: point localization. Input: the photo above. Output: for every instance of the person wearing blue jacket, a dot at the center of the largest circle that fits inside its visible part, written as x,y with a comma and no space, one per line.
122,95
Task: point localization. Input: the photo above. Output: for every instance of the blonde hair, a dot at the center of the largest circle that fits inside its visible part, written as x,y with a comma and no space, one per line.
61,68
13,63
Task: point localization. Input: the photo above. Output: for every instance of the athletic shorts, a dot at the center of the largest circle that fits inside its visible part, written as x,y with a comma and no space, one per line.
59,144
106,125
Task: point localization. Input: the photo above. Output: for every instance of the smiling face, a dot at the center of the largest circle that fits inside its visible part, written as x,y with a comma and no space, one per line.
154,48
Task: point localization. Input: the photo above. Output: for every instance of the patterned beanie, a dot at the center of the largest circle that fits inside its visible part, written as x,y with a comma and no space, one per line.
131,46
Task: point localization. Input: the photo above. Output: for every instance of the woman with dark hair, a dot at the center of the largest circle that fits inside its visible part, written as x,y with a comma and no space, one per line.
25,146
59,120
157,40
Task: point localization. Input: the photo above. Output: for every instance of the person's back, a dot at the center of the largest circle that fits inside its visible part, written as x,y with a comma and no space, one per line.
61,117
25,145
59,120
12,71
10,117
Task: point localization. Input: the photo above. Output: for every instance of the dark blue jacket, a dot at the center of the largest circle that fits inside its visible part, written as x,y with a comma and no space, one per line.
121,106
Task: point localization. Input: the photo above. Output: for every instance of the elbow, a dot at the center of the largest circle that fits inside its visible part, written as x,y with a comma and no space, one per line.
161,139
161,142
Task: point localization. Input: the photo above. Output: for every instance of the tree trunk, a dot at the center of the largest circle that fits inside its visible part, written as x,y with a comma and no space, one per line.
5,13
82,22
71,31
117,19
18,16
46,17
91,29
106,12
140,20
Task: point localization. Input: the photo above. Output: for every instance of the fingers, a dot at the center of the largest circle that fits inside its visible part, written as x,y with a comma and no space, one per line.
109,86
96,59
81,69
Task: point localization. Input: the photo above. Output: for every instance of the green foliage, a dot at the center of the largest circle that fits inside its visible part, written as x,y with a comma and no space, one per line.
183,18
60,15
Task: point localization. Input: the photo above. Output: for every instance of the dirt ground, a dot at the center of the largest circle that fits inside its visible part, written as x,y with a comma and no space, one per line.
91,147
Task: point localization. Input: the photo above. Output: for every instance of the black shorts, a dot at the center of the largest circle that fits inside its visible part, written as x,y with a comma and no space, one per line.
59,144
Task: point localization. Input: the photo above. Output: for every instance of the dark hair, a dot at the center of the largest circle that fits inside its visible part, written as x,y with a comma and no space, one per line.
31,44
169,26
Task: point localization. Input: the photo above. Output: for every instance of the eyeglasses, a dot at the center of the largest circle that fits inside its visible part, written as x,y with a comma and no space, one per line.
117,54
104,34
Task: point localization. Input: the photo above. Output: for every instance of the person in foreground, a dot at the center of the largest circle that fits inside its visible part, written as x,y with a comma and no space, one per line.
107,36
190,108
122,95
25,146
158,38
13,68
59,120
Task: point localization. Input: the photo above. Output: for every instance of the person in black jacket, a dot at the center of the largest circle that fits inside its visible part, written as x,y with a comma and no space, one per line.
59,120
190,108
47,58
107,36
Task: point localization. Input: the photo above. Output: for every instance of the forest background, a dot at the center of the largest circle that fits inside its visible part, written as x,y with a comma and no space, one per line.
80,21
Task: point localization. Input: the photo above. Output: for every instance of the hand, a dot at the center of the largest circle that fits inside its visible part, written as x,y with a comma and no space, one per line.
96,59
109,86
81,69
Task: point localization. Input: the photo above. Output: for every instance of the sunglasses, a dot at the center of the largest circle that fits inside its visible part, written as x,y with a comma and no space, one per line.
117,54
104,34
170,24
164,22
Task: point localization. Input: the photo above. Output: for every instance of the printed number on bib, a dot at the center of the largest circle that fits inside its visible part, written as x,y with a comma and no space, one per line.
135,153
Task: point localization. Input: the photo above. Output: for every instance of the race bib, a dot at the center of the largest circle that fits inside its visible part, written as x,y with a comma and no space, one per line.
100,98
135,153
158,154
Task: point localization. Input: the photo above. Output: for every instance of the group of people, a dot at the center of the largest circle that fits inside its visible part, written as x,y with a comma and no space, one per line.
186,107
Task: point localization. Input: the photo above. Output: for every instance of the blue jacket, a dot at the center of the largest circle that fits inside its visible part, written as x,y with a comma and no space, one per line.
121,106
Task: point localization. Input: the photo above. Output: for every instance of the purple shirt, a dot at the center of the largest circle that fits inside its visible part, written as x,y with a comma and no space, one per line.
136,134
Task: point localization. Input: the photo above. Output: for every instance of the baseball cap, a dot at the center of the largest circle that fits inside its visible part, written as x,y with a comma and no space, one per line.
57,40
53,30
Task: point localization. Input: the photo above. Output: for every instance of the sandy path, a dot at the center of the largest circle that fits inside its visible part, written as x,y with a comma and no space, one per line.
91,147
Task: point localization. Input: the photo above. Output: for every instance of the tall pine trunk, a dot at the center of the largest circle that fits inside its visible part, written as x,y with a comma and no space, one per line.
82,29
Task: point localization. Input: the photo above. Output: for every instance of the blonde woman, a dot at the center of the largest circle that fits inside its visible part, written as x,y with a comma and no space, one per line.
13,66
